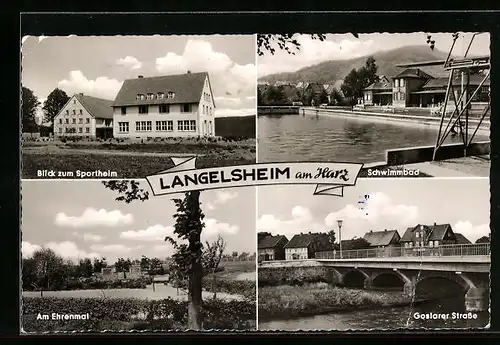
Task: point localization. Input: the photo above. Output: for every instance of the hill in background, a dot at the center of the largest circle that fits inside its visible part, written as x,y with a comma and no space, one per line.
336,70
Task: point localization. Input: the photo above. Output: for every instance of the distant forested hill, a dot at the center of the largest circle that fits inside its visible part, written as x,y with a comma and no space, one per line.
335,70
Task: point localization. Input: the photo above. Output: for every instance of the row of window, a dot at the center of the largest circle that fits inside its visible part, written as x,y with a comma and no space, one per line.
399,96
207,110
206,96
399,82
161,126
421,244
151,96
74,130
80,111
80,120
163,109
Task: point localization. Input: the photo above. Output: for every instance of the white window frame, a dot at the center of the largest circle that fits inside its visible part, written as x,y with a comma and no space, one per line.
192,125
150,96
123,127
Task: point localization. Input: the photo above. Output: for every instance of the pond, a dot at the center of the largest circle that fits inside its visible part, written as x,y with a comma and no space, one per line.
338,138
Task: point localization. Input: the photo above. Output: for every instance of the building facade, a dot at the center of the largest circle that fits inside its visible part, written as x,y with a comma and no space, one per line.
305,246
84,116
168,106
429,236
415,88
272,248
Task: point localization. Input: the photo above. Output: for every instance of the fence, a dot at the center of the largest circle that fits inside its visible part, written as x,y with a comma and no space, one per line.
444,250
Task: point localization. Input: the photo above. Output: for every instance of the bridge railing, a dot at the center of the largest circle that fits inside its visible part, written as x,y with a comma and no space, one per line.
397,251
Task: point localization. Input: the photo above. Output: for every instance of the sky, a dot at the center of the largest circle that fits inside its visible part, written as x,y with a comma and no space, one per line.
98,65
79,219
346,46
392,204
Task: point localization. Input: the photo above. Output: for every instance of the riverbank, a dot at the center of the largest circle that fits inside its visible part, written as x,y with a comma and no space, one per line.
125,314
286,301
408,119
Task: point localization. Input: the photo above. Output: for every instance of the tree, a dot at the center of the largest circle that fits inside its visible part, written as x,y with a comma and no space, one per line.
49,268
484,239
286,42
99,264
29,107
336,97
145,263
212,256
261,235
154,267
331,237
307,97
85,268
123,265
356,243
260,96
234,255
323,97
53,105
354,83
275,96
186,262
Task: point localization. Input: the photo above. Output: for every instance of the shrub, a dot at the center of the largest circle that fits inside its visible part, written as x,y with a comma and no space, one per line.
163,314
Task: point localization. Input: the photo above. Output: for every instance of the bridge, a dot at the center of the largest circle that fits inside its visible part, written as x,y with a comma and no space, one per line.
407,269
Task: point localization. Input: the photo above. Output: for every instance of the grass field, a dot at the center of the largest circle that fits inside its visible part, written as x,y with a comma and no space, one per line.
131,159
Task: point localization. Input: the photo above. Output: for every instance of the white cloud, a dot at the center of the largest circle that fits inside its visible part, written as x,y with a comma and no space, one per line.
113,248
221,197
88,237
92,217
70,250
129,62
313,51
378,213
230,80
101,87
213,228
471,232
153,233
301,221
27,249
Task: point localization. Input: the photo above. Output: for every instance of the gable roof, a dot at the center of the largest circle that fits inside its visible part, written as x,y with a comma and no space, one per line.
383,84
381,238
304,240
97,107
461,239
270,241
474,80
188,88
433,232
413,73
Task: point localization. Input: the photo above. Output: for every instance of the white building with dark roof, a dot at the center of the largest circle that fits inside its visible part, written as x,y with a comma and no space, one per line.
84,116
168,106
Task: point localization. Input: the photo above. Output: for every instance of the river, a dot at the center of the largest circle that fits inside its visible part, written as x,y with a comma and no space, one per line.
338,138
383,319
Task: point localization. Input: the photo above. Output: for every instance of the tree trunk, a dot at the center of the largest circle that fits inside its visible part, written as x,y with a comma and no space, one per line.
195,279
214,285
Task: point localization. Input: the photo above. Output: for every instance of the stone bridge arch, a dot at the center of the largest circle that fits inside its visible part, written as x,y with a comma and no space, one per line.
405,281
356,277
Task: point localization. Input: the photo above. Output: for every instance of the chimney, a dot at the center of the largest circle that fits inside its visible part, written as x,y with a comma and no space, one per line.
80,94
371,231
301,234
188,72
385,229
140,76
435,224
